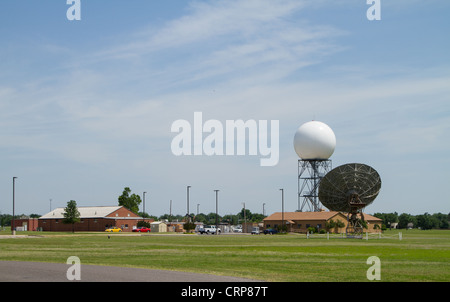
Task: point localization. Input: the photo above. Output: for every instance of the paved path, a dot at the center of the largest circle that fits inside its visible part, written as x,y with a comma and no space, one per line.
12,271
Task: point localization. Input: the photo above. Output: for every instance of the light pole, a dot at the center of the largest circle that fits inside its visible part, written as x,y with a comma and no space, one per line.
264,211
13,225
217,205
143,211
245,221
170,211
189,219
282,209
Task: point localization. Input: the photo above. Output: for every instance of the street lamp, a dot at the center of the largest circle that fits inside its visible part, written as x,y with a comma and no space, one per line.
13,225
188,187
143,211
245,221
282,209
170,211
217,205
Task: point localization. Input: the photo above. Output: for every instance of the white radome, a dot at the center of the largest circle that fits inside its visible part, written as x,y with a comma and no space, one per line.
314,140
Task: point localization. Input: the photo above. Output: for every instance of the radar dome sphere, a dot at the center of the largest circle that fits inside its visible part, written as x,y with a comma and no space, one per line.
314,140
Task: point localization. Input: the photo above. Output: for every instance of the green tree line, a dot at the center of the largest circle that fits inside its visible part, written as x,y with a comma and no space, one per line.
424,221
210,218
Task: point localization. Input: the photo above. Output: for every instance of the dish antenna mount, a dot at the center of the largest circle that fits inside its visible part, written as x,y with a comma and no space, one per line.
350,188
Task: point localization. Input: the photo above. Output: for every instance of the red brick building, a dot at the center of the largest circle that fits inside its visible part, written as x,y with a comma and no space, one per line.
27,224
92,219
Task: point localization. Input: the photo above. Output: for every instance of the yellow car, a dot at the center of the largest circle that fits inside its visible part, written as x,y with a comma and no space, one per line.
113,229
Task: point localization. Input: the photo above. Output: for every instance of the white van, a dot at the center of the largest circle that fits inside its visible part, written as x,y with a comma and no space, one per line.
255,230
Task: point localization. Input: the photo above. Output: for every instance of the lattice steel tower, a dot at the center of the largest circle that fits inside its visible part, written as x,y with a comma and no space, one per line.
310,173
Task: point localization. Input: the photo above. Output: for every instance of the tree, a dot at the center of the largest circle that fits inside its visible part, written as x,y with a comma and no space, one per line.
230,219
331,224
427,222
339,224
388,218
201,218
141,223
441,220
404,219
211,218
71,214
189,226
130,202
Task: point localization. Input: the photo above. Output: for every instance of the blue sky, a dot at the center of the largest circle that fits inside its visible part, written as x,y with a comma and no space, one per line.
86,106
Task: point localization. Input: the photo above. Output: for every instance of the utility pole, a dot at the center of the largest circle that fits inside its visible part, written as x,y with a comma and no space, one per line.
170,211
143,212
13,225
217,212
282,209
245,221
188,214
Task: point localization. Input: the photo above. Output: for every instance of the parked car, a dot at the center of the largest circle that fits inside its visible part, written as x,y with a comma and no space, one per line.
270,231
142,230
113,229
238,229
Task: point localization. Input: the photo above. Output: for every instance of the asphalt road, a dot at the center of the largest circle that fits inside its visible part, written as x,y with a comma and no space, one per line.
12,271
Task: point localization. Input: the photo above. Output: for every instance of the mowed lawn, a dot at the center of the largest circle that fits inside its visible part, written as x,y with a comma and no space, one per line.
419,256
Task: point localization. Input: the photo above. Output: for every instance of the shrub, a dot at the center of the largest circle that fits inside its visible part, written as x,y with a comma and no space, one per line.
312,230
189,226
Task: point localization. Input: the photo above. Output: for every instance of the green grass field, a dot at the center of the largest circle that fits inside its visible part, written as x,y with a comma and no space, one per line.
419,256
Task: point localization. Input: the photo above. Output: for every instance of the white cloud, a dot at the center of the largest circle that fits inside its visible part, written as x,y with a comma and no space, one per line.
236,39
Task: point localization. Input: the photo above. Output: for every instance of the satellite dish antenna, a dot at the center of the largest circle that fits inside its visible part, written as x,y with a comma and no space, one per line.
350,188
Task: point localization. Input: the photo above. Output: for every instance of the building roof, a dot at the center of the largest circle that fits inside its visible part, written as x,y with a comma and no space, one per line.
85,212
325,215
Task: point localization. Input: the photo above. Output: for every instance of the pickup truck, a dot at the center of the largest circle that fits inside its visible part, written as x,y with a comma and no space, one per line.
208,229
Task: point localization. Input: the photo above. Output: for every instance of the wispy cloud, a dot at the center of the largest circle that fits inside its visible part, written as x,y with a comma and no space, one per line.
236,39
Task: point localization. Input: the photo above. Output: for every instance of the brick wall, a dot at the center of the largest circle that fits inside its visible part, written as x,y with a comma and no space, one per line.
31,223
89,225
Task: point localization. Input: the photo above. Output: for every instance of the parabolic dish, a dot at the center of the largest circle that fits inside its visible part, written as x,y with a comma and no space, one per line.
343,182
